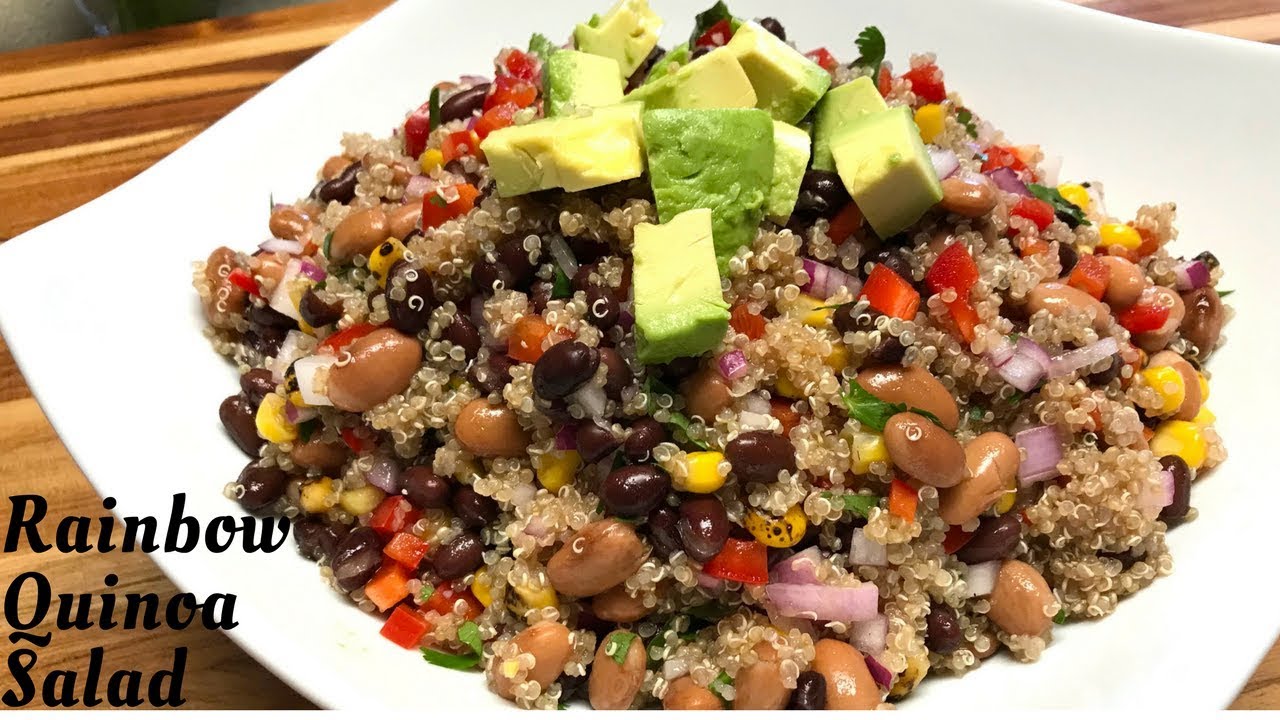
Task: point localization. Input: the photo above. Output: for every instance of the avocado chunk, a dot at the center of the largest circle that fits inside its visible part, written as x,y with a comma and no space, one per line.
886,169
680,311
787,83
839,106
790,158
572,152
577,79
626,33
715,80
675,57
719,159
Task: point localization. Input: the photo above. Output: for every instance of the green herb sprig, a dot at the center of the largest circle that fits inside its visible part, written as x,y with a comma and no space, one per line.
1065,210
871,50
872,412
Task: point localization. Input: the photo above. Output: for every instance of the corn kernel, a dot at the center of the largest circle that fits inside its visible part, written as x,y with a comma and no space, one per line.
384,256
272,425
557,469
317,496
814,312
1204,386
1181,438
360,500
538,596
430,159
917,668
1076,195
1006,501
866,448
482,587
704,472
295,399
786,388
839,358
931,119
1204,418
1118,234
304,327
780,532
1168,383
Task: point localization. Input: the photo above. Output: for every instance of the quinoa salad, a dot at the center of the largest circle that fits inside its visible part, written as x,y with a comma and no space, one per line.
729,375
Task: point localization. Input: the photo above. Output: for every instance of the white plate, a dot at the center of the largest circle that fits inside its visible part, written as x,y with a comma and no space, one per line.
108,333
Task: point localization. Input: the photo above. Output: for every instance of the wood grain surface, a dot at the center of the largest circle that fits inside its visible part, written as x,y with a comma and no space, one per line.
80,118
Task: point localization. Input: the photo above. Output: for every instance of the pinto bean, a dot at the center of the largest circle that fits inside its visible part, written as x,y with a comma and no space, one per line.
991,462
849,682
323,456
1191,401
613,685
1126,284
914,386
1019,600
333,166
1156,340
971,198
381,364
1202,324
599,556
1058,299
226,299
706,393
549,644
358,234
685,694
287,223
490,430
759,686
618,606
404,219
923,450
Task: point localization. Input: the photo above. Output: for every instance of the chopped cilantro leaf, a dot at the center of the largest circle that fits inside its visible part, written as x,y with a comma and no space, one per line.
677,420
469,633
871,49
1225,293
721,682
426,592
328,239
619,644
447,660
705,19
710,611
433,108
1065,210
965,118
306,429
855,503
1061,617
560,286
872,412
437,200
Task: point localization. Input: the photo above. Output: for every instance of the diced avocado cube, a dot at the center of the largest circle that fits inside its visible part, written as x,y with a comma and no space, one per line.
790,158
839,106
577,79
787,83
680,311
627,33
715,80
886,169
675,57
571,152
718,159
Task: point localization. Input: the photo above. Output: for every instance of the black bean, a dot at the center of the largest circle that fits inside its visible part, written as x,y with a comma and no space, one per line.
358,557
704,527
424,489
463,104
459,556
638,77
890,351
257,384
663,530
316,540
759,455
1181,504
267,316
847,319
699,52
512,255
539,296
262,486
486,274
581,280
563,368
634,490
472,508
238,416
775,27
412,312
265,339
316,312
463,333
602,308
943,634
1067,257
646,434
617,375
810,692
822,194
493,375
1111,372
342,187
896,260
995,538
595,442
589,250
680,368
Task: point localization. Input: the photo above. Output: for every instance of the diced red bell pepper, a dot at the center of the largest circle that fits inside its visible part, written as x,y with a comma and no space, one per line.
966,318
954,269
389,586
521,65
744,561
824,59
884,82
406,548
495,118
742,320
890,294
446,597
1034,209
392,515
781,409
1143,317
1090,275
1028,246
718,35
903,500
457,144
926,83
416,129
354,439
243,280
437,209
999,156
525,343
955,539
343,338
406,627
845,223
511,89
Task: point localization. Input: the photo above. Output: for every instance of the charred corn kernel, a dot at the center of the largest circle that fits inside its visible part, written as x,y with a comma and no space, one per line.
272,425
1182,438
1204,418
1168,383
384,256
557,468
317,496
786,388
538,596
931,119
295,399
704,474
1204,386
917,668
865,448
482,587
780,532
1076,195
430,159
839,358
360,500
1118,234
814,312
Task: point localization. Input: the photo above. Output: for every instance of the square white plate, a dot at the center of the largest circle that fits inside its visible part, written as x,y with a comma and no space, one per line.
108,334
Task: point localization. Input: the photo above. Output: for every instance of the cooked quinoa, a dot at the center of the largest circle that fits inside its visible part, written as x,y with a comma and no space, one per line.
905,453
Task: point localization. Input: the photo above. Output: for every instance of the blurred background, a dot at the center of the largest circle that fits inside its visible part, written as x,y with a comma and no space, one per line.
30,23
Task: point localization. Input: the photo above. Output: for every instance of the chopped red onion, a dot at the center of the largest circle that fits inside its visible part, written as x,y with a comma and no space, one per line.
981,578
536,527
825,281
707,582
799,569
311,270
756,403
563,255
472,80
1001,353
733,365
865,551
869,635
879,673
567,438
945,162
290,350
1007,180
281,301
522,494
1026,367
384,474
1073,360
825,602
289,247
1153,499
1167,488
592,399
1191,275
305,369
419,186
1041,450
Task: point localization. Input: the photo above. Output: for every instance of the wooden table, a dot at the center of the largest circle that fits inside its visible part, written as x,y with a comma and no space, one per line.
80,118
